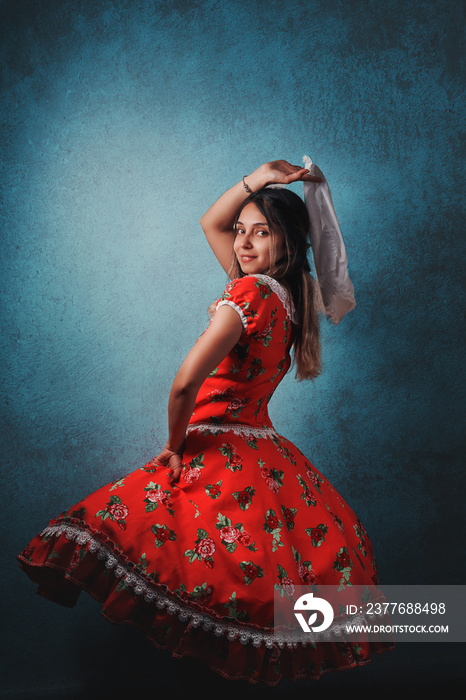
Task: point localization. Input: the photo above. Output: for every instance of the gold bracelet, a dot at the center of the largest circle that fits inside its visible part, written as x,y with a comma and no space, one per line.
246,186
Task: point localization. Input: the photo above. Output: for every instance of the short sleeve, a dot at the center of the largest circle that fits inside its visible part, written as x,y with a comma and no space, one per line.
253,299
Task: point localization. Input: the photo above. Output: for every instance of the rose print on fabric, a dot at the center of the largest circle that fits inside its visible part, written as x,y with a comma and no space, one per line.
251,571
234,461
202,593
162,534
192,471
203,551
306,573
214,490
343,564
116,511
360,529
255,370
244,497
155,496
273,526
361,534
231,536
307,495
289,515
265,337
283,449
264,289
285,585
337,521
251,441
219,395
314,478
236,405
317,534
232,607
273,477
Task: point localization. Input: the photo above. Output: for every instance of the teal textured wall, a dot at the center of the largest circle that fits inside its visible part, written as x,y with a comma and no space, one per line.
121,123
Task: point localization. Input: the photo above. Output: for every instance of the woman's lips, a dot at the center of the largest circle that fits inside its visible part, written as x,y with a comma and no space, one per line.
247,258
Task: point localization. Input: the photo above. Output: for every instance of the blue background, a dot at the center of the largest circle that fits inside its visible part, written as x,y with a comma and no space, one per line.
121,123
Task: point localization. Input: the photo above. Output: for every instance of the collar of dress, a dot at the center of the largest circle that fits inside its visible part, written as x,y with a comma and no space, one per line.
282,294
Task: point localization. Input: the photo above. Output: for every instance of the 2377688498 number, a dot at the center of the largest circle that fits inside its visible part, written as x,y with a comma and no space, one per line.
378,608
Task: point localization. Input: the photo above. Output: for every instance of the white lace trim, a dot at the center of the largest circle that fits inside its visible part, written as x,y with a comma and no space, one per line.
238,309
184,611
240,429
282,294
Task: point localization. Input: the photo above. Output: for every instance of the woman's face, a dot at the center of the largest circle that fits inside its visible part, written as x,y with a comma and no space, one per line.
252,242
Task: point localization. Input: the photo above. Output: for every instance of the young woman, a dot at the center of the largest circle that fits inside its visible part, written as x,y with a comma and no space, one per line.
194,545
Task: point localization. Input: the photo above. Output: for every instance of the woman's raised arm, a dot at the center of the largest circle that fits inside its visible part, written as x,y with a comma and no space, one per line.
209,350
218,221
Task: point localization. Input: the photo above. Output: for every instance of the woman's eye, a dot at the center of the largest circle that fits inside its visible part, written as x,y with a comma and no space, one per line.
239,230
261,232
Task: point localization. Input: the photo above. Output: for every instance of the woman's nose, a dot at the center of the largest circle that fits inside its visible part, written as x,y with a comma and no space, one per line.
246,241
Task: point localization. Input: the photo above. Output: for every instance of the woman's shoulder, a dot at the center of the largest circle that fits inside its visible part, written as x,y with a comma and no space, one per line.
260,287
254,283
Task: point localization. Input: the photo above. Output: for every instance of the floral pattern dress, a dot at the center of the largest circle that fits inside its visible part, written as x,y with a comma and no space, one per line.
196,565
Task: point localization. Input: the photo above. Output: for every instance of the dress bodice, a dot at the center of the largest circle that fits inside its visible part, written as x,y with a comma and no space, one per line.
239,389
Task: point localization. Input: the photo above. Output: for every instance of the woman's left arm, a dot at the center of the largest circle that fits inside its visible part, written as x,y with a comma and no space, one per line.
209,350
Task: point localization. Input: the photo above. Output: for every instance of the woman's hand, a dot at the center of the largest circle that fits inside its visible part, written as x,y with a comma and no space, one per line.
279,172
173,460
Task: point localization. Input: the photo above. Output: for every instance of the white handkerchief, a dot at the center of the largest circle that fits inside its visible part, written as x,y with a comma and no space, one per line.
328,249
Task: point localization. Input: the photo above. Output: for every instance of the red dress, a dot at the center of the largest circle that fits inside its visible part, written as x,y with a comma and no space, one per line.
196,565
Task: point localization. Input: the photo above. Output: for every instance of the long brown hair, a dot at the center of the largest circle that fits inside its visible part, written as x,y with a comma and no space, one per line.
285,211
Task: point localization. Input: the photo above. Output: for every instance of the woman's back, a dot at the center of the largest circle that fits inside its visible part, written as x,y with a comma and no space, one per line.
239,389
